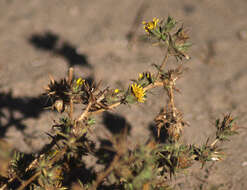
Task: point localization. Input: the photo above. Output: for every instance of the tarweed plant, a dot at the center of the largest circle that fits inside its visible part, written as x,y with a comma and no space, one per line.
148,166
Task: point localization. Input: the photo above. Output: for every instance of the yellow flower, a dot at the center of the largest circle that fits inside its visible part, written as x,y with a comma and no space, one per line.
140,76
138,92
150,25
116,91
80,81
148,75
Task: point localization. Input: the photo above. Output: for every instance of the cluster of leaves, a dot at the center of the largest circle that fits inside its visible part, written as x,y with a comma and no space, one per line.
148,166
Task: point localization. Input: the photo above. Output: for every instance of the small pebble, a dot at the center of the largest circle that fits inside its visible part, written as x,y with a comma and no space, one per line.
244,163
243,34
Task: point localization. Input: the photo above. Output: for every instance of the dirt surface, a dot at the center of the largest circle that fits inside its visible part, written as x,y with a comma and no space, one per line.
38,38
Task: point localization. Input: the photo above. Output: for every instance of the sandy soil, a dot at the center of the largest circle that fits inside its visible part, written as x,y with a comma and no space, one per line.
45,37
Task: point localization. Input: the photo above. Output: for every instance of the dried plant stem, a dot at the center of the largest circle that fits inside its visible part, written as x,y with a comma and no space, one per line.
59,155
171,101
70,75
29,181
9,181
31,166
4,186
34,162
163,64
156,84
108,108
86,112
70,78
150,86
213,143
15,177
71,110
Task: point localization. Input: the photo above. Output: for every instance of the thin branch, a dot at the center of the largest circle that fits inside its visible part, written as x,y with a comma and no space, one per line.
150,86
71,106
26,183
214,143
163,64
86,112
8,182
108,108
70,75
70,78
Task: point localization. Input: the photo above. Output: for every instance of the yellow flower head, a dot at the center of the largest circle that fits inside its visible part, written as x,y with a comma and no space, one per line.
150,25
138,92
79,82
148,75
116,91
140,76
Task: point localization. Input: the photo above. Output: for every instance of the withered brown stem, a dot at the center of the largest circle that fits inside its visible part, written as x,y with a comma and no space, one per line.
26,183
163,64
70,75
86,112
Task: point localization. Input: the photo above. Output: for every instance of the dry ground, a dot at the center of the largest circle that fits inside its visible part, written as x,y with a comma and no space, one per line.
38,38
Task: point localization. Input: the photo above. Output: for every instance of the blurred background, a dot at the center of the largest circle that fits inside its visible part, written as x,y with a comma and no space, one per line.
103,40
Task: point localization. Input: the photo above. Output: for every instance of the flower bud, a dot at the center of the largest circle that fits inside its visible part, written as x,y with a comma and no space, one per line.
59,105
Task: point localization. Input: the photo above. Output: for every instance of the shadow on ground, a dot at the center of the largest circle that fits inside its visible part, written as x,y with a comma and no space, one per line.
154,132
18,109
115,123
48,41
